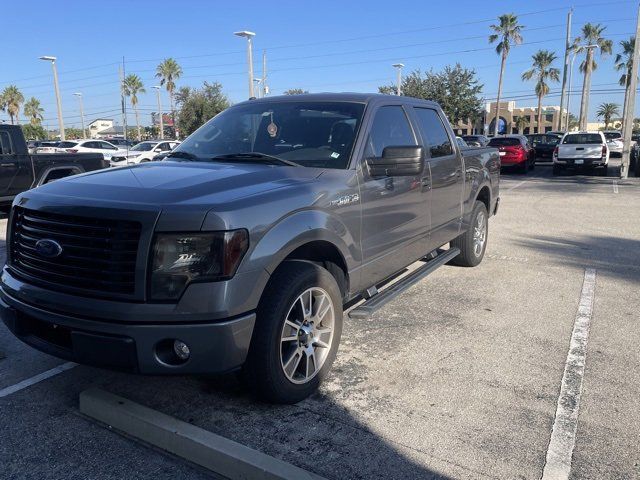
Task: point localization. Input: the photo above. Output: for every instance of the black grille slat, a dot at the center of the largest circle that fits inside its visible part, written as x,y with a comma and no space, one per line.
98,255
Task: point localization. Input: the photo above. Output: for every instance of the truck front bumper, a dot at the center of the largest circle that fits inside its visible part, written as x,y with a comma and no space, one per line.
146,348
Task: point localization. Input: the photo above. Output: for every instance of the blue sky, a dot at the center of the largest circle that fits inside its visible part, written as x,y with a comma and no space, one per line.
319,46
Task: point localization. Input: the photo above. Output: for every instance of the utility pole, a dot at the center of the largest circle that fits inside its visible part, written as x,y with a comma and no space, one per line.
84,134
124,103
249,36
57,90
398,67
157,87
631,103
564,72
265,88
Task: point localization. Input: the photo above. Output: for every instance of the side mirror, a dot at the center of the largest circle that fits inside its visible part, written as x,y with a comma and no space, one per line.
397,161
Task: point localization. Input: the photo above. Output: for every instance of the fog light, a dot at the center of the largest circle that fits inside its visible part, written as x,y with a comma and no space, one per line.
181,350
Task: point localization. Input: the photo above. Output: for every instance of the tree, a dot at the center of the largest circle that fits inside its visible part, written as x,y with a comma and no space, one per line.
542,71
521,123
132,86
294,91
73,133
591,35
573,122
33,111
168,72
10,100
607,111
34,132
200,105
507,32
456,89
624,62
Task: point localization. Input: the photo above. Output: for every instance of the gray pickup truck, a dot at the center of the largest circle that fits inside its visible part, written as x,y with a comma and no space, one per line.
241,249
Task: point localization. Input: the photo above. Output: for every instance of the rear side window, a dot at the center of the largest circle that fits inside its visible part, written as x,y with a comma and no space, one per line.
504,142
582,138
5,144
433,132
390,128
67,144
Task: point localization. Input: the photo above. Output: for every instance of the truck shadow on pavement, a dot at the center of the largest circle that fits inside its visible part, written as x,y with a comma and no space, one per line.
612,256
317,434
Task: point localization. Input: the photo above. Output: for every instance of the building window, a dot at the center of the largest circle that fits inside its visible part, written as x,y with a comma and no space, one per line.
549,117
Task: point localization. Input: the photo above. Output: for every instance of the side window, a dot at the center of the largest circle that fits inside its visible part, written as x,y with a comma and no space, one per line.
390,127
5,144
107,146
433,132
164,147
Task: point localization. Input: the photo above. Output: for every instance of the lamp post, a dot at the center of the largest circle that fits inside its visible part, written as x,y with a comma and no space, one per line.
79,95
57,90
249,36
157,87
398,67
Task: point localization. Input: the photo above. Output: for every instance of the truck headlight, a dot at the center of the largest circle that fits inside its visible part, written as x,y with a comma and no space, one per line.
181,258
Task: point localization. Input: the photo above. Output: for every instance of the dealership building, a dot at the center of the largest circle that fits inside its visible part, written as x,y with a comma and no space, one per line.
509,115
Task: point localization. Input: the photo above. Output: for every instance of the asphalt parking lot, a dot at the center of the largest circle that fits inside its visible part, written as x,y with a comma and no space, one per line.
457,378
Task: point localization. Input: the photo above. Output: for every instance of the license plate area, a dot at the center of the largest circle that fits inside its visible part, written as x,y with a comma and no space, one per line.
502,154
579,162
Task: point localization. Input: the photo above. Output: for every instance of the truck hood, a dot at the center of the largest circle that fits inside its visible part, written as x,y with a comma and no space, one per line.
176,184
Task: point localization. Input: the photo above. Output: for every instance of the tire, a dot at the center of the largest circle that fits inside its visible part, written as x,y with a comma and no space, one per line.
523,168
470,255
604,171
556,170
268,371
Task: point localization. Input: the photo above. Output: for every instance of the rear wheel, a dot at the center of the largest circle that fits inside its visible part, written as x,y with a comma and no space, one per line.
604,171
297,332
473,242
557,169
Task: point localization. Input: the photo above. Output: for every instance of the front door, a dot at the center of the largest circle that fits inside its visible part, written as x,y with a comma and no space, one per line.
446,177
395,211
14,176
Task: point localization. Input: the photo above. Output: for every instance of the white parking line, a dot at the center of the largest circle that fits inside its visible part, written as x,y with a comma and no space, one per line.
615,186
35,379
516,185
563,435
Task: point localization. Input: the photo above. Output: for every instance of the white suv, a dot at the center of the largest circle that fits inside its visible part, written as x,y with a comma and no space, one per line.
90,146
581,150
144,152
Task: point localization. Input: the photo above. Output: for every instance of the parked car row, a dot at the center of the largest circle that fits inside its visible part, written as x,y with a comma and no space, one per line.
144,152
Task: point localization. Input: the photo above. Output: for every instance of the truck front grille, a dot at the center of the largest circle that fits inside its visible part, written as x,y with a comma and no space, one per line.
97,255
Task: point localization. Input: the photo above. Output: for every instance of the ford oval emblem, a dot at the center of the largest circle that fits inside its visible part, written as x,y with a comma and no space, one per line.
48,248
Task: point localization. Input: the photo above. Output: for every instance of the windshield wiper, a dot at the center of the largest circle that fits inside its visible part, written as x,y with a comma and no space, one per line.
256,156
185,155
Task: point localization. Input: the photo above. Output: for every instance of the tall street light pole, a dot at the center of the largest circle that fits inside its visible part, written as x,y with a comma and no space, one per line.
398,67
630,106
57,90
249,36
567,51
157,87
84,134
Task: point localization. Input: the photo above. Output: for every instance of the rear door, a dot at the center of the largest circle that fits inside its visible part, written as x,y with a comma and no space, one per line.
395,210
447,182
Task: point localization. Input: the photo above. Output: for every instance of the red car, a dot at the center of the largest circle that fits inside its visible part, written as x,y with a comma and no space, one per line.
515,151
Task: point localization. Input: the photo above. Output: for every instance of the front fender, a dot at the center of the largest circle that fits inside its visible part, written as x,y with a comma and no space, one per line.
298,229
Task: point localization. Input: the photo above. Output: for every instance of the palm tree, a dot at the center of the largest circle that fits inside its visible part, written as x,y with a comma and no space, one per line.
168,72
34,111
542,71
607,111
507,32
132,86
624,61
573,122
521,123
10,99
591,35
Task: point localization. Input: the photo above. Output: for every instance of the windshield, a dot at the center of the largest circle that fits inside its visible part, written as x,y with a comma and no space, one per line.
311,134
142,147
612,135
582,138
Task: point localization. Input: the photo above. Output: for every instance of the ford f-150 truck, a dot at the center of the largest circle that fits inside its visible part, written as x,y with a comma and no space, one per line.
241,249
20,171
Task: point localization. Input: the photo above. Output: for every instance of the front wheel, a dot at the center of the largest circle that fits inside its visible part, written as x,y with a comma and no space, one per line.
297,332
473,242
